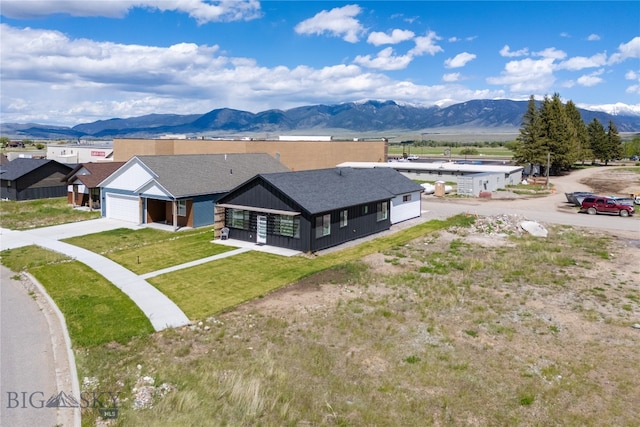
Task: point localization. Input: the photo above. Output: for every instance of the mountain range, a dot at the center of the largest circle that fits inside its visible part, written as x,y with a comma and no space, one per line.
365,116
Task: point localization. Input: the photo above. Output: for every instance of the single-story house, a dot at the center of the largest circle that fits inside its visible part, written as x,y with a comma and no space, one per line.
82,183
178,190
316,209
28,179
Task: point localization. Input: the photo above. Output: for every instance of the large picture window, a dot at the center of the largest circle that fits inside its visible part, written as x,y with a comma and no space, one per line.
238,219
286,225
323,225
382,211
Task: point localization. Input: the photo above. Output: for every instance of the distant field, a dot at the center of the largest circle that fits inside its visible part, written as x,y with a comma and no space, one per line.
397,150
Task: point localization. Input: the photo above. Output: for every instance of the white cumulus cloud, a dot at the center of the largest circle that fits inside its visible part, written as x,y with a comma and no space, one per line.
592,79
582,62
451,77
460,60
385,60
396,36
200,10
507,52
338,22
426,45
626,51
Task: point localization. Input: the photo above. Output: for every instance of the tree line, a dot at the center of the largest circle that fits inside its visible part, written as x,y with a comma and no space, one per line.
555,133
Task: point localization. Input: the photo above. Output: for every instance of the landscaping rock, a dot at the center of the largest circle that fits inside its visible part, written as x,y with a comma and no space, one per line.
534,228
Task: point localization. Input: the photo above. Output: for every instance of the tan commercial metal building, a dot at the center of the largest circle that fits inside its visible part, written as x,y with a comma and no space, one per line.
296,155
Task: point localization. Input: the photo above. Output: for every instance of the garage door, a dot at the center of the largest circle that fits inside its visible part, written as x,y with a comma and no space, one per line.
125,208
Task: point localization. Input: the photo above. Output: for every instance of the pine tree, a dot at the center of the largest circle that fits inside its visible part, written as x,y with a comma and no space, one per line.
529,147
558,135
614,142
581,135
597,140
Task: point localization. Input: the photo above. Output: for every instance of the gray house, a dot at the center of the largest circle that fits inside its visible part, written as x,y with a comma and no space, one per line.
316,209
27,179
178,190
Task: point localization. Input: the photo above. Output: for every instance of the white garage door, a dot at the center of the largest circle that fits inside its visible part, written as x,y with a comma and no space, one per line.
125,208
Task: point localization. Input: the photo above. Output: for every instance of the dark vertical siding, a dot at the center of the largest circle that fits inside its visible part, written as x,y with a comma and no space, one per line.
260,194
359,224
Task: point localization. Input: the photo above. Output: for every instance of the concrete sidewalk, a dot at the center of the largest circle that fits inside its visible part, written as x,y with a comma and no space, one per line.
161,311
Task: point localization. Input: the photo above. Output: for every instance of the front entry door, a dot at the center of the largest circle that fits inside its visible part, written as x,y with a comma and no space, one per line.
261,235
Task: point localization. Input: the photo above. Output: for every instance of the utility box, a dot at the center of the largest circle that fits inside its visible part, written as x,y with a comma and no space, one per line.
440,189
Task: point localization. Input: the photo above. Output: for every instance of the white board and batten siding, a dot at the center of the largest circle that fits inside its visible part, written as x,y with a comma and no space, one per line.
402,210
120,200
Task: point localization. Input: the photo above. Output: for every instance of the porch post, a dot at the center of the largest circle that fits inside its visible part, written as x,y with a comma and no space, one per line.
174,205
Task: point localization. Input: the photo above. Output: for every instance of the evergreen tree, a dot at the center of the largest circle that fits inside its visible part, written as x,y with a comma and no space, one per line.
581,135
529,147
558,135
614,143
597,140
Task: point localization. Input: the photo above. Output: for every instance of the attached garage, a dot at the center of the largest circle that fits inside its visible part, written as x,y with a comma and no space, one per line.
125,208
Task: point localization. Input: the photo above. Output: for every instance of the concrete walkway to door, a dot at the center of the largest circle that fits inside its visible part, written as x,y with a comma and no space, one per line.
161,311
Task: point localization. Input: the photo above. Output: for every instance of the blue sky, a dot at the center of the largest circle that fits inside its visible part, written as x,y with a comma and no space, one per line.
70,62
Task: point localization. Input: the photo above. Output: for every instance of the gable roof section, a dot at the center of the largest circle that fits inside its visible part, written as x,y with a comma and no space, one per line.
20,167
98,172
324,190
192,175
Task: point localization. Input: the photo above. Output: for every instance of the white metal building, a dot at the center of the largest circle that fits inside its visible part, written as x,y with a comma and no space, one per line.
80,153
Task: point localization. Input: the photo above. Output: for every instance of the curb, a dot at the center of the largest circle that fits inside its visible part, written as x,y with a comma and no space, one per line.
75,385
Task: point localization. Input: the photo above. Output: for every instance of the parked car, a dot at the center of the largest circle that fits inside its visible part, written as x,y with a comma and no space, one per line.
609,205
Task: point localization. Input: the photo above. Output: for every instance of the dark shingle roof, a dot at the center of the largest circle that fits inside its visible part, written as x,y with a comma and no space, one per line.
191,175
22,166
329,189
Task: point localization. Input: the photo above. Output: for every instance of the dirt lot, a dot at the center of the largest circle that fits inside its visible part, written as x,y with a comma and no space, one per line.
559,325
619,182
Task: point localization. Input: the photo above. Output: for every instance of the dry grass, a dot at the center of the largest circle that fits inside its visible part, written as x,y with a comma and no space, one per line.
439,331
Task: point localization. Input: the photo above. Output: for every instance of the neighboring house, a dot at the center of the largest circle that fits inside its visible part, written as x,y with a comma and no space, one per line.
82,183
3,159
178,190
313,210
27,179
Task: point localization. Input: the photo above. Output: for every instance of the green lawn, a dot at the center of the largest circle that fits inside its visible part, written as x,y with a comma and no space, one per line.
210,288
28,214
146,250
96,312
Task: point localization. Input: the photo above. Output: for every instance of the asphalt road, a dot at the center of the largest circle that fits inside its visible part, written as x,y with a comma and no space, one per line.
28,374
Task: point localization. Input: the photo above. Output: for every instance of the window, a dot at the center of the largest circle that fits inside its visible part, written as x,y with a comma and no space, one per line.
286,225
382,211
182,208
365,209
238,219
323,225
406,198
344,218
